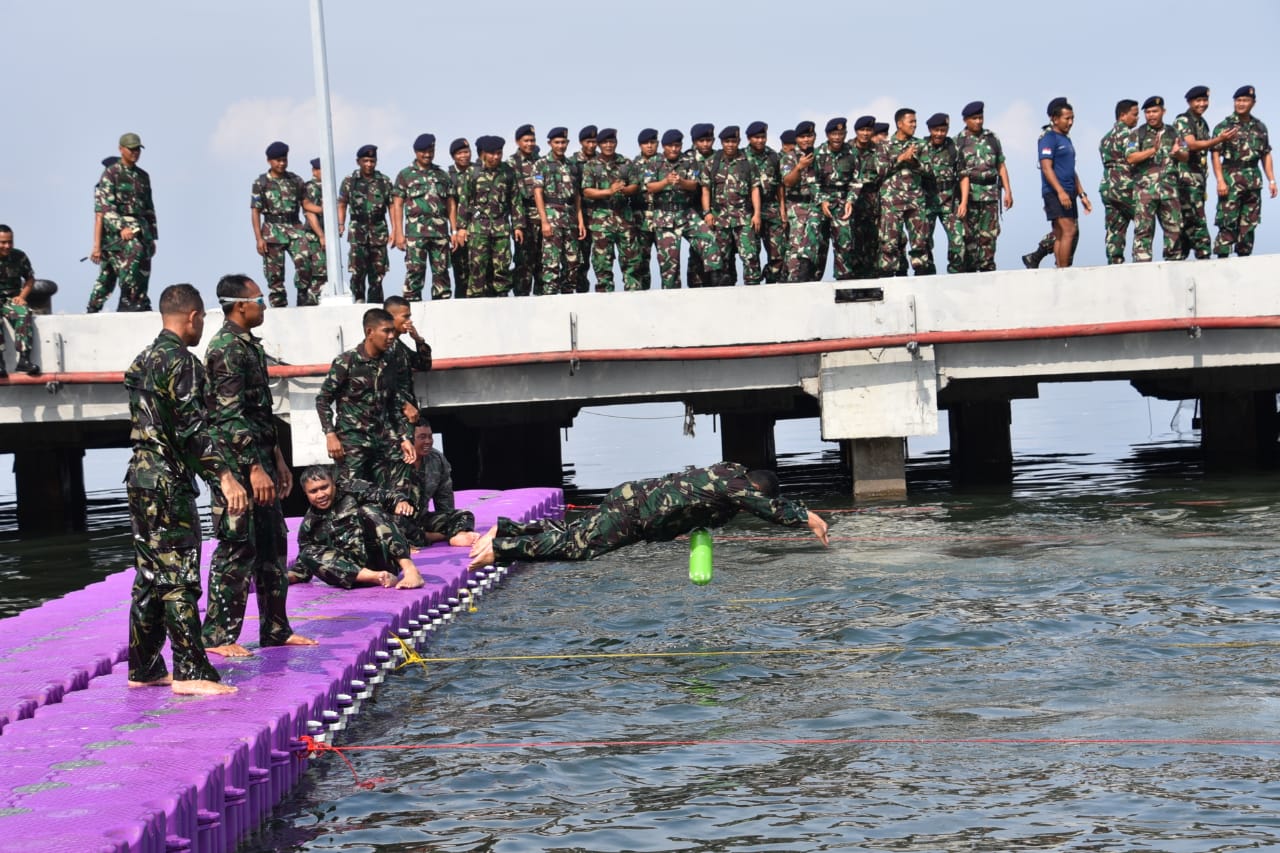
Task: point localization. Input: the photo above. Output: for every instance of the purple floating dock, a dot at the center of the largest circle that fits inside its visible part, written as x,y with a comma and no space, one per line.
90,765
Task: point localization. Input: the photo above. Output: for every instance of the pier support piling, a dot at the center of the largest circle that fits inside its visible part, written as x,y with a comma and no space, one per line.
50,485
1238,430
878,467
981,448
747,438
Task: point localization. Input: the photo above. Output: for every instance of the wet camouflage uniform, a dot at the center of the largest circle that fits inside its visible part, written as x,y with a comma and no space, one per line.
1116,190
865,222
15,272
107,273
313,191
611,224
1240,210
696,270
369,414
1155,193
656,510
941,164
642,214
250,545
902,206
560,196
171,444
280,202
358,531
528,254
672,219
124,200
460,258
773,225
367,200
431,493
981,156
403,361
425,193
731,182
835,173
579,161
1192,176
806,227
489,208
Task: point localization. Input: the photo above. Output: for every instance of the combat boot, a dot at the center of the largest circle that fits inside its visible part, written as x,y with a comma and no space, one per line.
25,365
1031,260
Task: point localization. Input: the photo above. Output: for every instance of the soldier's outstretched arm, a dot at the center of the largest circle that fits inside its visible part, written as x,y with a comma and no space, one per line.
819,528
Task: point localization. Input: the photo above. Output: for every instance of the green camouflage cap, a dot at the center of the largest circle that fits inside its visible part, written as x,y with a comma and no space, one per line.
131,140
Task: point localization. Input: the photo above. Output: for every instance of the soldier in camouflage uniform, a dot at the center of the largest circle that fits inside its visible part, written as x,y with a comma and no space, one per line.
835,167
489,213
1153,150
435,517
367,194
703,137
642,206
608,182
129,217
1235,166
370,419
773,223
528,254
1193,130
587,150
558,200
313,212
420,221
807,228
460,153
1116,189
655,510
667,182
171,445
16,281
348,537
982,162
787,141
902,202
404,361
943,193
865,192
107,275
273,211
731,210
251,544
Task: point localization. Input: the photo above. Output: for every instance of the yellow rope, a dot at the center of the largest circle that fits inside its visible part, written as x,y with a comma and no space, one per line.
410,654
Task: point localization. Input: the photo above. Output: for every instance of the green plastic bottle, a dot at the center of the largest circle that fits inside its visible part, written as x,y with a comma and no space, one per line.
700,556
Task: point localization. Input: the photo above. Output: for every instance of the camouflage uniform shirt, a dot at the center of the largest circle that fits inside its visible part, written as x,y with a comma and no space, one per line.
940,172
367,200
834,173
403,360
489,199
1117,174
123,198
1196,167
731,182
425,193
981,156
239,396
1240,156
15,271
599,174
279,200
365,392
769,167
1155,175
670,205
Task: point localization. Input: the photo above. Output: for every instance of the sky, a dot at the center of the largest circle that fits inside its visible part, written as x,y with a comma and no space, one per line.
208,86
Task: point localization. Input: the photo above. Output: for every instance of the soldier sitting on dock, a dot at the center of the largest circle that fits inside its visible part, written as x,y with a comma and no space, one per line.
348,537
656,510
431,487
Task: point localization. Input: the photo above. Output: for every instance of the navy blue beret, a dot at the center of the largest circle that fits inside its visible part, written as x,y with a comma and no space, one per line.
367,151
1245,92
881,127
864,122
973,108
673,137
489,144
588,132
606,134
276,150
804,127
937,120
457,145
524,130
1197,92
729,132
107,162
315,162
424,142
756,128
1056,104
649,134
1153,101
788,137
838,123
702,131
558,133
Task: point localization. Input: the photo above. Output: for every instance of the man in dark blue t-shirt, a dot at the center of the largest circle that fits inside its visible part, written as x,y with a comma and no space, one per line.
1058,181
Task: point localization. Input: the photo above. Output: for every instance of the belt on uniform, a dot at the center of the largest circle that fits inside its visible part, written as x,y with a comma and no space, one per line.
984,181
557,203
281,218
365,219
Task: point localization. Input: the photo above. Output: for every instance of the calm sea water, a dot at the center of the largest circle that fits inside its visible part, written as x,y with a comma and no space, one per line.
1073,662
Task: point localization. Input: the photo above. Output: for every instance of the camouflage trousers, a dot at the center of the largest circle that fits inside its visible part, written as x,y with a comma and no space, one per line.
1195,228
584,262
560,258
1239,212
666,242
604,529
1119,213
718,253
489,252
446,524
460,259
374,464
419,253
299,249
773,238
645,240
805,236
608,237
131,259
19,318
103,286
981,228
380,547
840,235
367,264
895,216
251,545
528,255
953,228
166,591
1148,207
319,269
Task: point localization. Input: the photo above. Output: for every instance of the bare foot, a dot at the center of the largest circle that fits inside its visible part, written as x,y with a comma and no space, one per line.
412,578
299,640
199,687
159,682
464,539
480,544
484,558
231,650
386,580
